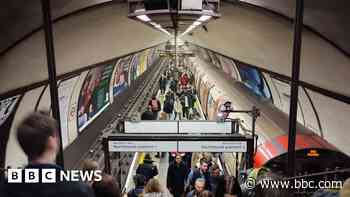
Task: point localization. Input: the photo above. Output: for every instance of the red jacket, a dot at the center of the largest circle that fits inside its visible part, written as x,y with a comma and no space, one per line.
184,80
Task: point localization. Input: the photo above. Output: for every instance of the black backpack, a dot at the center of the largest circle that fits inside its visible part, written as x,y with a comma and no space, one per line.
148,170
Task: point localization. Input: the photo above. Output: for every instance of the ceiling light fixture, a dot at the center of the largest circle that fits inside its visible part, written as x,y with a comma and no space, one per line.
204,18
153,23
144,18
196,23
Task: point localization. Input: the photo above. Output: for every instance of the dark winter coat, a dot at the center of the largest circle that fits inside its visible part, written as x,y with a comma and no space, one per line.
147,169
168,106
176,177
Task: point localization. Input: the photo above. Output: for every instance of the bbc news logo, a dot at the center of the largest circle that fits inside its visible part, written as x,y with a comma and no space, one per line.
51,175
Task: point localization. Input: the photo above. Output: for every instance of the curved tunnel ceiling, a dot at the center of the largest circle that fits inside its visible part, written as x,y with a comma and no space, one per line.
18,18
329,18
82,40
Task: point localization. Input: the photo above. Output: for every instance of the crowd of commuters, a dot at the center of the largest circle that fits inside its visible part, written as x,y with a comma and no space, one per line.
176,98
183,181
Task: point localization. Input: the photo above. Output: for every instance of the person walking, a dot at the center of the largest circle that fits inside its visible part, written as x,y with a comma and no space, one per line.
185,102
155,106
168,107
201,172
162,83
147,168
177,108
177,173
217,181
199,187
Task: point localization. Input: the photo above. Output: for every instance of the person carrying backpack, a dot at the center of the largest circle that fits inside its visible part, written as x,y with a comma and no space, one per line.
147,168
168,107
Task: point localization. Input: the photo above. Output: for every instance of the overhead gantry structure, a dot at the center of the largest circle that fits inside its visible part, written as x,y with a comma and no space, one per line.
174,16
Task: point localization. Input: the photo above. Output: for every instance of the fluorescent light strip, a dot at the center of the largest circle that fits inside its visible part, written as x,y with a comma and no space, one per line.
159,27
144,18
204,18
196,23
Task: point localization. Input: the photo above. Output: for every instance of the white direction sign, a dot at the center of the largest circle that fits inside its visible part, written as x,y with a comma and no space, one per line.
204,127
142,146
212,146
151,127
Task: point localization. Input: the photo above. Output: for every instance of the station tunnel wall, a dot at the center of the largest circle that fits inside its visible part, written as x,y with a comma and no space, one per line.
83,98
325,116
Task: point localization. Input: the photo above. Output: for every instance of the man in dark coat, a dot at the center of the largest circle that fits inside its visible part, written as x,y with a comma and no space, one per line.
37,135
217,181
201,172
162,83
168,107
177,173
173,85
147,169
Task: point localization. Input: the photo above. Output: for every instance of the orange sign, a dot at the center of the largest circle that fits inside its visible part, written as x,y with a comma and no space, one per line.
313,153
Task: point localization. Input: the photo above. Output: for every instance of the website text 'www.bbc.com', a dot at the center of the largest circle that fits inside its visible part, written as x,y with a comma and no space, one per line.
293,184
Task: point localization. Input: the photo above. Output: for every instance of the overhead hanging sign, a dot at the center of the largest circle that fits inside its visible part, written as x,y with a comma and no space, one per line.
204,127
212,146
191,5
174,146
142,146
151,127
177,127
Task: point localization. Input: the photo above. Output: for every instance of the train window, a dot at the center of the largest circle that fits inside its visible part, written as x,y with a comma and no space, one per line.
254,80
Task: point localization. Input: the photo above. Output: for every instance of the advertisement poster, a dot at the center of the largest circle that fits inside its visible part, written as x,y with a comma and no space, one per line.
215,98
228,67
210,105
94,96
65,89
214,59
198,82
142,63
204,91
253,79
152,55
120,75
203,53
133,67
6,108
